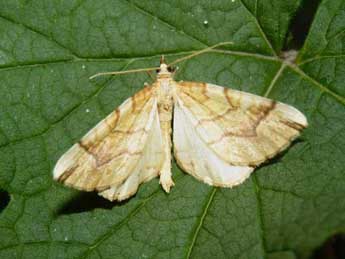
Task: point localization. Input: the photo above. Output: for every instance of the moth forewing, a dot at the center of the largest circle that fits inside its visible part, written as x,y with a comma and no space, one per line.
107,155
241,128
147,167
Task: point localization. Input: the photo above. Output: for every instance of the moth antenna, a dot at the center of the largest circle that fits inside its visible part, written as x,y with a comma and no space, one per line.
162,60
124,72
197,53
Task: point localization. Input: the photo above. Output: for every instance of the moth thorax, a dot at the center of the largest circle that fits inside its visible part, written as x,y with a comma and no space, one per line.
165,99
165,110
163,71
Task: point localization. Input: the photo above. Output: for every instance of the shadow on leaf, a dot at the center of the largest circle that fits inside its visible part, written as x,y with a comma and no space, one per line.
4,200
278,158
300,25
86,201
333,248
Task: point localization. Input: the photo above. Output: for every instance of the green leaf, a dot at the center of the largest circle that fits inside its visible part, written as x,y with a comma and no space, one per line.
48,49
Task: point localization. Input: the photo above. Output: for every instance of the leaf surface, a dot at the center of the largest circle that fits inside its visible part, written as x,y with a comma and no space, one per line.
48,49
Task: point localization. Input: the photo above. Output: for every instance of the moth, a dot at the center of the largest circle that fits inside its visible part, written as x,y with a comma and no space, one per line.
218,135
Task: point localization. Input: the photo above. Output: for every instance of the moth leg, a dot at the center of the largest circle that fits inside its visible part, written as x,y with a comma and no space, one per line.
151,76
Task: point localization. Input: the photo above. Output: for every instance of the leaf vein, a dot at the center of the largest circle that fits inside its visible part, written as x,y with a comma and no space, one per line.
259,215
201,221
323,88
51,39
260,30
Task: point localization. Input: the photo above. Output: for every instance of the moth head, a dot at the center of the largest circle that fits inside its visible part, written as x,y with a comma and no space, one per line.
164,68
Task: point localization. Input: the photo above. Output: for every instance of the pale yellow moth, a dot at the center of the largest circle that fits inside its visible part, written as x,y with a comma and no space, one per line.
219,136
